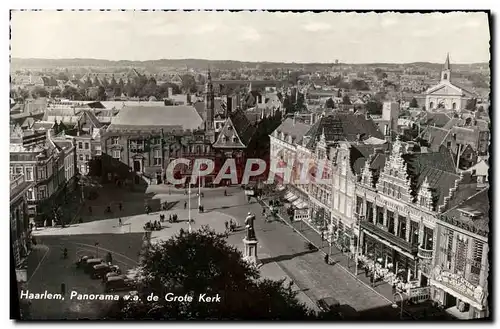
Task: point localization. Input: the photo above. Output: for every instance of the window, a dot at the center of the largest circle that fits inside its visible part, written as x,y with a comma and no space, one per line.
380,215
87,157
369,211
116,154
42,192
80,145
29,174
115,140
402,227
31,194
428,238
414,232
477,257
390,222
235,139
42,173
86,145
461,255
449,247
19,170
80,157
157,158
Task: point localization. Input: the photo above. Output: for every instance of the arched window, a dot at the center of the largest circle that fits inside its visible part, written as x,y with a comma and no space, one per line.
445,76
454,106
431,105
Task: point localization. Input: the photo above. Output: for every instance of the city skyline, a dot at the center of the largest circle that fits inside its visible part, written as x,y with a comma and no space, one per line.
252,36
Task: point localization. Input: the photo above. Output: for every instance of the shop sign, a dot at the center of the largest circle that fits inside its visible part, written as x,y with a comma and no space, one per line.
459,283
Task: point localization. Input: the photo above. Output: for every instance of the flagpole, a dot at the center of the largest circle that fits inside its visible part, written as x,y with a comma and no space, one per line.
189,207
199,189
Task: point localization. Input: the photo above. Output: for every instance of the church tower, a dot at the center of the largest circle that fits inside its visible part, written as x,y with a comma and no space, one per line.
446,72
209,103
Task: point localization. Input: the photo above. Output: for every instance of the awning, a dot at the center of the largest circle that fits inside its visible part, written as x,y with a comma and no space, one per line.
292,198
288,195
296,203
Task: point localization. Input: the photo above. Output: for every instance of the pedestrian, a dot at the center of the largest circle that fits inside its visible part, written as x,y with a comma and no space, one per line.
109,258
393,288
119,222
202,209
80,220
327,259
120,206
291,284
373,279
227,225
366,271
263,211
185,204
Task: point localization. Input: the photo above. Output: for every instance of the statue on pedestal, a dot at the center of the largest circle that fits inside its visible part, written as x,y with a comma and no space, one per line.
249,226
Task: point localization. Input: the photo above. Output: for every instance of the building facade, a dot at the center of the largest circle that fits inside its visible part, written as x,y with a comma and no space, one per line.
397,208
460,270
49,165
447,95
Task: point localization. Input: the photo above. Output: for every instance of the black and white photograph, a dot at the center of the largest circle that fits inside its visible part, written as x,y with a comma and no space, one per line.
250,165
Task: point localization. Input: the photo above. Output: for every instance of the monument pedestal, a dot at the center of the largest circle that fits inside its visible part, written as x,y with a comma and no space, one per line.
250,254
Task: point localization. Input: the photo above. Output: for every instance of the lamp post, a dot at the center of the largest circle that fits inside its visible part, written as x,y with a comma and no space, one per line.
395,305
360,218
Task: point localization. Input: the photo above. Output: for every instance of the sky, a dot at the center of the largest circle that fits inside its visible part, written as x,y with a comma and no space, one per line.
252,36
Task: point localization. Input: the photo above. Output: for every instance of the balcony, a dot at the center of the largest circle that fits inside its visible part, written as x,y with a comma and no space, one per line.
425,253
389,237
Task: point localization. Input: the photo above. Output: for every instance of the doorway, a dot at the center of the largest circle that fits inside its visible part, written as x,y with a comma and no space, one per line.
449,300
137,165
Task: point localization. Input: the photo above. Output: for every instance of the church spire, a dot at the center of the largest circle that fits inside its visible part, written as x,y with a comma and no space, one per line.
447,62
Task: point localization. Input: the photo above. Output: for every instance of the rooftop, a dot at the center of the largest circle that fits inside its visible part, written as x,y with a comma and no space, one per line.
477,207
180,117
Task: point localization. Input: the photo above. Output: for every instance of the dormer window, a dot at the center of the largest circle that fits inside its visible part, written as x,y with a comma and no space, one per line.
235,139
224,138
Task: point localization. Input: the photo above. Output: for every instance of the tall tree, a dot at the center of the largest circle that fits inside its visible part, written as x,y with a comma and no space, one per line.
413,103
330,104
346,100
203,264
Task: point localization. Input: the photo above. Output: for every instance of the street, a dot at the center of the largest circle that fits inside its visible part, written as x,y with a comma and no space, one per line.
281,250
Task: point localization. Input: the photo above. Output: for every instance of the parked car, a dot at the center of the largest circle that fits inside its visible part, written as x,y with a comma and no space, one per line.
100,270
328,304
82,260
119,283
111,274
89,264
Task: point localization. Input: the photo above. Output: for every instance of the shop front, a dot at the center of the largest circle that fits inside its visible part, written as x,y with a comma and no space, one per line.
394,262
459,296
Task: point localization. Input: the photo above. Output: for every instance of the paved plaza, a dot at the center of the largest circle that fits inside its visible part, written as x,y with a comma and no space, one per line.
282,251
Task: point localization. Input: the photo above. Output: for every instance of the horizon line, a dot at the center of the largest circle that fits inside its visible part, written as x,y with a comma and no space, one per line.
242,61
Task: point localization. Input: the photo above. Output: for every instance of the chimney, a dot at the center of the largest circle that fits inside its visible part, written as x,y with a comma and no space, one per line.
229,106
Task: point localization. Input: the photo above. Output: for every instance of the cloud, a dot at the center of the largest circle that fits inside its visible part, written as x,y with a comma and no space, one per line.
251,34
206,29
317,26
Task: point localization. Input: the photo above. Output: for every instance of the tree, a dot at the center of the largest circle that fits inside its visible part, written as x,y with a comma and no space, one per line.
359,85
471,104
413,103
101,93
380,74
330,104
39,92
55,93
346,100
62,76
201,263
188,83
374,107
88,82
